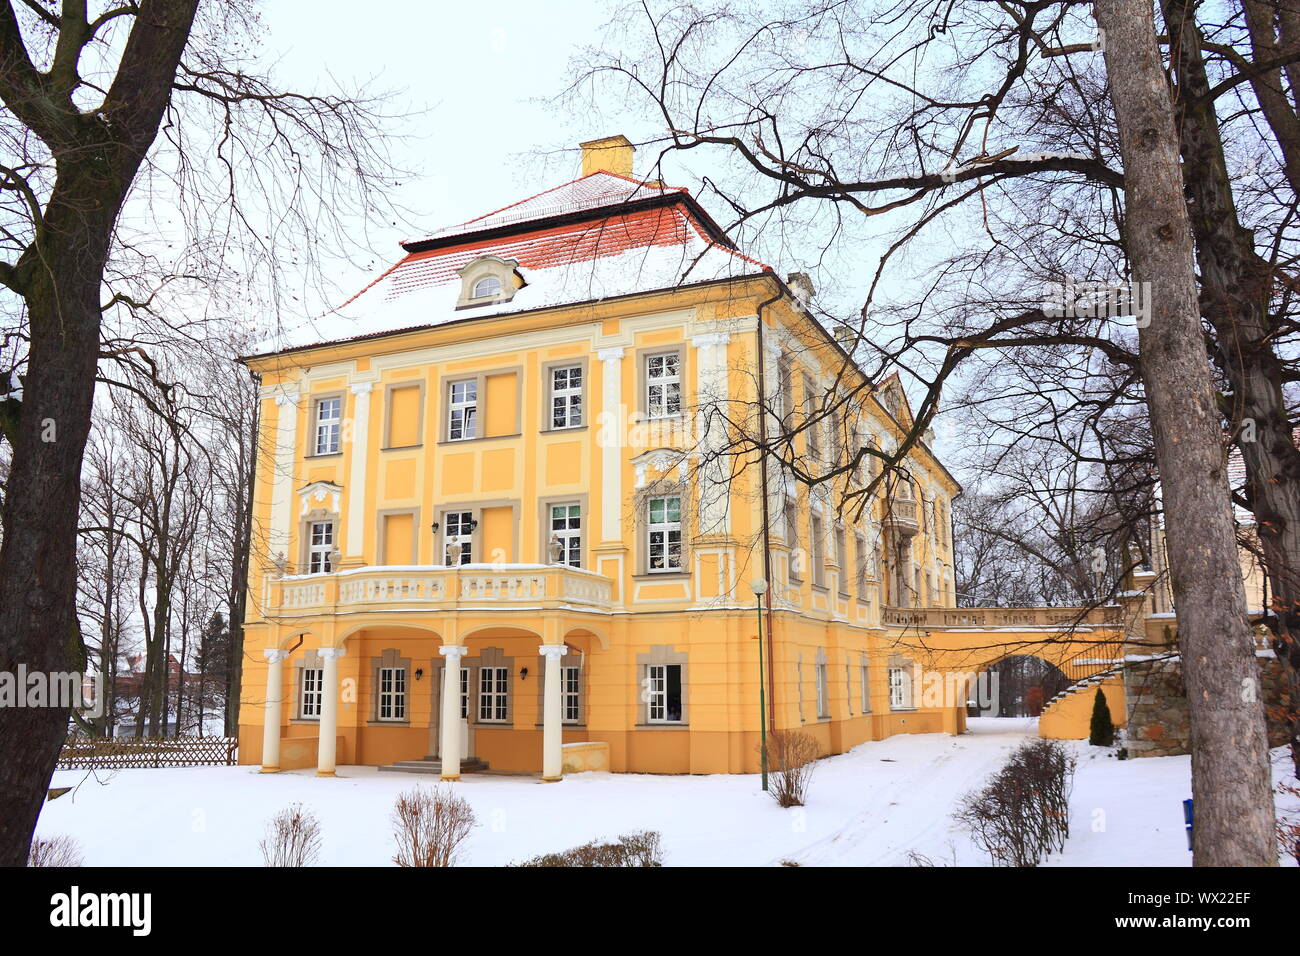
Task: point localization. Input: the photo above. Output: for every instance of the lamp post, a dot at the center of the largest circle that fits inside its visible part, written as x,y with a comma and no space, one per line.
759,587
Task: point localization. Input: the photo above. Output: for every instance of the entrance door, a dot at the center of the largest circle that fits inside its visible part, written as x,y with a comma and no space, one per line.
467,685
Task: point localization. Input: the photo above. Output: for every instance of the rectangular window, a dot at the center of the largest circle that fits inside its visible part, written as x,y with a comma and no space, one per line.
860,552
566,529
665,534
319,547
899,689
792,538
823,702
663,382
329,420
458,528
462,413
848,687
664,693
392,693
817,550
569,694
464,692
810,411
309,692
785,391
866,688
842,559
493,693
566,397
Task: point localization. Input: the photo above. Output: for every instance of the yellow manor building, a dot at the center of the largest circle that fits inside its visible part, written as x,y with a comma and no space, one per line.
509,508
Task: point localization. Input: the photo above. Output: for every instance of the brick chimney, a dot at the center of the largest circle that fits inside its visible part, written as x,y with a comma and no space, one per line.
611,154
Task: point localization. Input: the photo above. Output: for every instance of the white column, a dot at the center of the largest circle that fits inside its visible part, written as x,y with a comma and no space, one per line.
357,475
449,750
271,717
552,737
329,710
612,435
286,437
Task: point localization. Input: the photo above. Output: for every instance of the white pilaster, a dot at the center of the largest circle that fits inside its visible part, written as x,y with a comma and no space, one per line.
712,392
271,717
449,749
357,474
612,436
329,710
286,435
552,718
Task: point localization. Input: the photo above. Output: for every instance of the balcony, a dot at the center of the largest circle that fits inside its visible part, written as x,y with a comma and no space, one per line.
1027,617
900,515
470,586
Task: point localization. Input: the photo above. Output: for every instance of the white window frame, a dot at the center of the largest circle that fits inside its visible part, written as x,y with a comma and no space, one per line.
464,693
477,291
462,409
900,690
311,692
817,547
864,675
392,694
570,694
566,405
328,426
462,520
664,530
493,695
320,545
823,691
663,391
657,694
860,555
570,536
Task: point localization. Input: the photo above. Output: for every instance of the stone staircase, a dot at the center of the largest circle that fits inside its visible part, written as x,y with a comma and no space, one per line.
1087,670
432,765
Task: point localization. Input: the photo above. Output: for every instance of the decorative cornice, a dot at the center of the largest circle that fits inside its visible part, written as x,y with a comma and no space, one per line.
611,355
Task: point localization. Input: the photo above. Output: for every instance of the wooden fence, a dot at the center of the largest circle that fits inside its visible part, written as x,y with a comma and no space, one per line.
123,753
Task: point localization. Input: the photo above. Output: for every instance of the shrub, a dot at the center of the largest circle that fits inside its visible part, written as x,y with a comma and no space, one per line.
632,849
293,838
429,826
55,851
1102,732
1023,813
791,756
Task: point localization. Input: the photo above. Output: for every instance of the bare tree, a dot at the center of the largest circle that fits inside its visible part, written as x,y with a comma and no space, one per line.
252,174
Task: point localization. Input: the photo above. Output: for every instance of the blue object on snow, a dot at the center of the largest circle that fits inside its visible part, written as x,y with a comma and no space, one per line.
1187,818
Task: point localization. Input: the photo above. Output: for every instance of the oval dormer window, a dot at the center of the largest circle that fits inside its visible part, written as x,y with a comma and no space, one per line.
487,286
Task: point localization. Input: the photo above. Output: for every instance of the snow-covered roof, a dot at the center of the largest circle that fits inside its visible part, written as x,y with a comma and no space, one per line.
589,239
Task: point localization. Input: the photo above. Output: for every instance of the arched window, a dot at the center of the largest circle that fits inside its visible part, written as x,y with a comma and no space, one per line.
488,285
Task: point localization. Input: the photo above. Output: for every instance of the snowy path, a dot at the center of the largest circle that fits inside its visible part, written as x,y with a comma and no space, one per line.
868,807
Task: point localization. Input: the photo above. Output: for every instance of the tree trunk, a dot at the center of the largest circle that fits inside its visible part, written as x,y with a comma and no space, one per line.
1231,783
1236,290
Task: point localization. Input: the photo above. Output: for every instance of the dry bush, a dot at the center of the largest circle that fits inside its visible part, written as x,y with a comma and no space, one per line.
429,826
1023,813
1288,821
293,838
791,756
56,851
631,849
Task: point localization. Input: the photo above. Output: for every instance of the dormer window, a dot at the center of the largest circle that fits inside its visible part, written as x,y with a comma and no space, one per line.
488,280
486,287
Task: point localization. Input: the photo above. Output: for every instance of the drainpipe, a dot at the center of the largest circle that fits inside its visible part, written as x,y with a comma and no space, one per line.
767,518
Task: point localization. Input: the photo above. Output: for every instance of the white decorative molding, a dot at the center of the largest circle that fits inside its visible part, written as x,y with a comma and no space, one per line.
612,440
553,652
611,354
662,460
453,651
318,491
286,444
275,655
362,386
329,653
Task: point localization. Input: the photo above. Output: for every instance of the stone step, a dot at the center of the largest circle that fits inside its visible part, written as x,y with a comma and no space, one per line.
432,766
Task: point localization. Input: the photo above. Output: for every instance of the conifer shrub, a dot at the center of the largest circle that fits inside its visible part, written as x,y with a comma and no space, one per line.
1102,730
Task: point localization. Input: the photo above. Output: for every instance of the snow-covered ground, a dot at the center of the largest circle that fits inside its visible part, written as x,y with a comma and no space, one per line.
868,807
